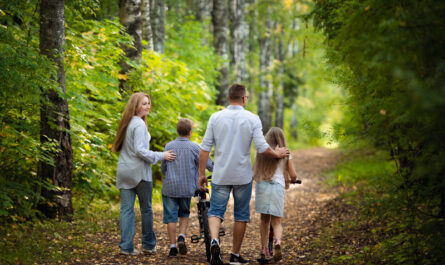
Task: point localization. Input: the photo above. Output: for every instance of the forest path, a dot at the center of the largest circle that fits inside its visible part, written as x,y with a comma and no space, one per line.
304,205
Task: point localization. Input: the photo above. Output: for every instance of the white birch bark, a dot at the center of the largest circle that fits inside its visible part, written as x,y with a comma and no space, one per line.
220,42
147,33
158,25
130,18
239,31
264,106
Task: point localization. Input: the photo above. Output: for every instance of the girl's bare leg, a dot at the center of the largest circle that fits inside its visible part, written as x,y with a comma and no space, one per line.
264,231
277,229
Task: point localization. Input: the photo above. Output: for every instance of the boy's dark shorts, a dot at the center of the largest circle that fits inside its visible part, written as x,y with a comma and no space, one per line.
174,208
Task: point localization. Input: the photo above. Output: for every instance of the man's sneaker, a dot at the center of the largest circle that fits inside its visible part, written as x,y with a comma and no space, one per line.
181,245
277,253
215,258
129,253
235,260
173,253
149,251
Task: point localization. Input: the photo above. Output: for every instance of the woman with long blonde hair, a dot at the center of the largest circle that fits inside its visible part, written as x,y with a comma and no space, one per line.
272,177
134,176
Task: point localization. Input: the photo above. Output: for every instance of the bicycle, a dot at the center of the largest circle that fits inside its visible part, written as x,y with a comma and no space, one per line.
204,230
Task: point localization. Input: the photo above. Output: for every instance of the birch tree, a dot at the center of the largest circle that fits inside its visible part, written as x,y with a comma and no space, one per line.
279,114
54,114
130,18
147,33
203,8
264,106
220,42
158,24
239,31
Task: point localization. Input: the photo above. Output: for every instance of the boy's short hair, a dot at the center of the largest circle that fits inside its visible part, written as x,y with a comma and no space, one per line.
184,126
236,91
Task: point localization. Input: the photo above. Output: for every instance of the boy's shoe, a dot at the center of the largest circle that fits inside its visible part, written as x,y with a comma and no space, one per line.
181,245
277,253
173,253
215,258
236,260
149,251
135,252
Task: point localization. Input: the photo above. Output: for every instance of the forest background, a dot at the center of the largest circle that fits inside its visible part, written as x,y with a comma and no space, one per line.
366,76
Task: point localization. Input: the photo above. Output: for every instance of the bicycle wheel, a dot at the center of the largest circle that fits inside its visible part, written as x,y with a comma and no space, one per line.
205,225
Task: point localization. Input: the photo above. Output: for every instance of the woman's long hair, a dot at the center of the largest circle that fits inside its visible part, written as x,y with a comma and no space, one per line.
264,167
131,109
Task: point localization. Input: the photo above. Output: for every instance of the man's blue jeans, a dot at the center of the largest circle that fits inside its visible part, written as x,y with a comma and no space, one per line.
127,220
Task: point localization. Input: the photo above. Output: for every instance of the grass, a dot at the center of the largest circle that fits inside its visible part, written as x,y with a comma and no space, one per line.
358,225
53,241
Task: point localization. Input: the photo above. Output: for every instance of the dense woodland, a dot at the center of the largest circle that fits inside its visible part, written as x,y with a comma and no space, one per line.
366,77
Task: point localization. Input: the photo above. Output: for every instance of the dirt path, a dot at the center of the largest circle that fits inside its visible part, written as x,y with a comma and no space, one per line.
303,205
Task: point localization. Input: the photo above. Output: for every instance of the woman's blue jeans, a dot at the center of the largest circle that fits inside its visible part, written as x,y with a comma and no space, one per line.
127,220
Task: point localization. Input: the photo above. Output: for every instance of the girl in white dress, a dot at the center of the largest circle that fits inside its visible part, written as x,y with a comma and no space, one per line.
272,177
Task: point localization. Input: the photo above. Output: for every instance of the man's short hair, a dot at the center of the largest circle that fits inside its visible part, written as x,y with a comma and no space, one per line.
184,126
236,91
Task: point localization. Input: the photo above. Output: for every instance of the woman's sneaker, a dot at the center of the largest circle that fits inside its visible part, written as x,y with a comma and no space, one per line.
149,251
277,253
215,258
181,245
235,260
135,252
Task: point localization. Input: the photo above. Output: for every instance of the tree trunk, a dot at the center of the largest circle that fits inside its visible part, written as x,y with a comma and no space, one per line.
203,8
220,42
130,18
54,122
158,25
252,46
279,118
264,106
239,31
293,123
147,33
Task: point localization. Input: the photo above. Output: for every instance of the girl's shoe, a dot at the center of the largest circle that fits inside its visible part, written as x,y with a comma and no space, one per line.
277,253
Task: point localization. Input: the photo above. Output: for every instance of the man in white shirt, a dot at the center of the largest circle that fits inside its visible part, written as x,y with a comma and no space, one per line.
231,131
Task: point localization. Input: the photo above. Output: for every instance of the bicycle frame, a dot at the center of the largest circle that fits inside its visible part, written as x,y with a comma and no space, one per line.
204,230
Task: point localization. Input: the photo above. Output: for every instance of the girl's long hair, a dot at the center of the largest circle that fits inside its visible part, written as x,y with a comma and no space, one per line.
131,109
264,167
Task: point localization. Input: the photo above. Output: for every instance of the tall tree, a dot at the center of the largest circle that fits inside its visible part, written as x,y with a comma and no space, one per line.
158,24
239,31
130,18
54,123
264,106
147,33
203,8
220,42
279,115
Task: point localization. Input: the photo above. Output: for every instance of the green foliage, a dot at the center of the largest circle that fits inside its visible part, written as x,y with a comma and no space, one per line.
389,57
92,54
23,75
92,68
183,38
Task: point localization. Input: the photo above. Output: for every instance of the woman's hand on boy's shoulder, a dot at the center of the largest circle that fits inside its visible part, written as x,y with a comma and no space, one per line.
169,155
